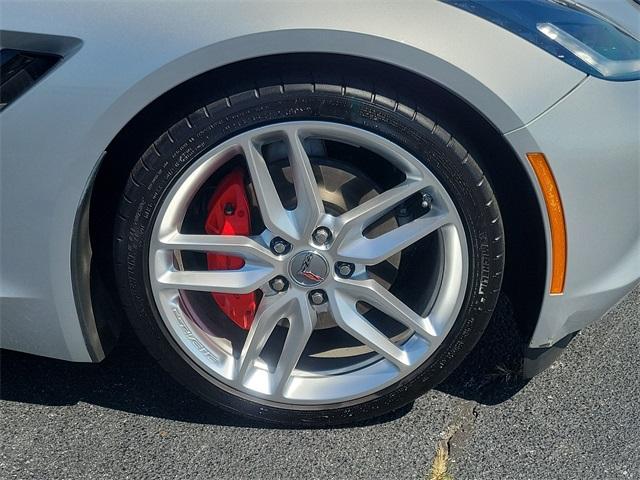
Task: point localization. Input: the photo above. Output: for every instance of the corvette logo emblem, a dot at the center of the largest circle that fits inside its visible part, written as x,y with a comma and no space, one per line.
308,268
304,269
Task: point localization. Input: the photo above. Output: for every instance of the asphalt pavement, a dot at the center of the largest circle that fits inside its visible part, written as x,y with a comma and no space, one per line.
125,418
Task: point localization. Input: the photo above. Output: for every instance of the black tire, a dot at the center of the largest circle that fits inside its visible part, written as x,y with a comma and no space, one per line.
188,139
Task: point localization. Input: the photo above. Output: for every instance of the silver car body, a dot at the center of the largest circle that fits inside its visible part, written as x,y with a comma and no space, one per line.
120,56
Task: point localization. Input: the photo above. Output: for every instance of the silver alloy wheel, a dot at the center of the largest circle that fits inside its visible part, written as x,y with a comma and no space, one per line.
243,371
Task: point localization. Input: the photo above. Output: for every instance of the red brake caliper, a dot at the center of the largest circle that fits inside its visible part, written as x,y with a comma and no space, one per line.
229,215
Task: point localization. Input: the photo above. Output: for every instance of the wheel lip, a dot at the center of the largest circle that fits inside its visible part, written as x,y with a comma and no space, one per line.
209,162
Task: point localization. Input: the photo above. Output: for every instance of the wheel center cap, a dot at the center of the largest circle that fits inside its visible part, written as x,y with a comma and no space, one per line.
308,268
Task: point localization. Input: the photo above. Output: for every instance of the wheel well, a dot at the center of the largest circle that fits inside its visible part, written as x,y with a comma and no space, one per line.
525,272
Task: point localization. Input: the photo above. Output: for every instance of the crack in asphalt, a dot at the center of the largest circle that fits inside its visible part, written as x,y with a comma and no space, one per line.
461,428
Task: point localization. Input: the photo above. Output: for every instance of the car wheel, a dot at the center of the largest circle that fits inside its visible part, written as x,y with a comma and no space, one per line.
307,253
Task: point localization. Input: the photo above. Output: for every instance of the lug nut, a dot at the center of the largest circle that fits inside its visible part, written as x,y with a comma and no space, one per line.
344,269
317,297
321,235
279,284
280,246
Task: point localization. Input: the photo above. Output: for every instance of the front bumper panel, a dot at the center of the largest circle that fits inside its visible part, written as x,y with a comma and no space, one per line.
591,140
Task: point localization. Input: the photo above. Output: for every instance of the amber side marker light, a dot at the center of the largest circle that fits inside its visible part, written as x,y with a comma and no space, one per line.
556,220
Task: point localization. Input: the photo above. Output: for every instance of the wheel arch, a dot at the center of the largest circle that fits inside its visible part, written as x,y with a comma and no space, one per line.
526,248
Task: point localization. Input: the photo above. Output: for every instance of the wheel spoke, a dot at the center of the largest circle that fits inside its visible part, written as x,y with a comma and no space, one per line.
275,217
370,251
377,296
349,319
301,324
270,311
310,207
245,280
235,245
352,223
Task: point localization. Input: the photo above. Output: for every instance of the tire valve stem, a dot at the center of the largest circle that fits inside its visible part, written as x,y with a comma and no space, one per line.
426,202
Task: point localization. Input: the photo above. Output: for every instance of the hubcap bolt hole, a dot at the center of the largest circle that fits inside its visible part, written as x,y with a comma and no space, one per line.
317,297
279,284
280,246
344,269
321,236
